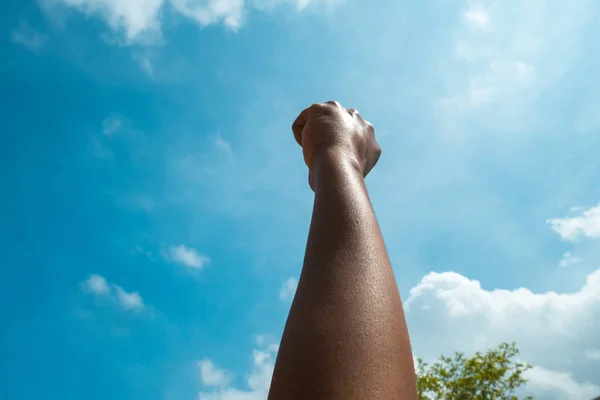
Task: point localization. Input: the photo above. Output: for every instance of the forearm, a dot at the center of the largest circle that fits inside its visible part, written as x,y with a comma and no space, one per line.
346,335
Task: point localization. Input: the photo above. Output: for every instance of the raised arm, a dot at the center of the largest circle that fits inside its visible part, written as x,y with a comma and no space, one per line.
346,335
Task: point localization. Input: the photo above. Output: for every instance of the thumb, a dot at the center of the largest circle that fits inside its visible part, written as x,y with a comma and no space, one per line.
311,179
299,123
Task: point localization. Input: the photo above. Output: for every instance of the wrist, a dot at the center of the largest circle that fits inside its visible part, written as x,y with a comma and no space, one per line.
334,163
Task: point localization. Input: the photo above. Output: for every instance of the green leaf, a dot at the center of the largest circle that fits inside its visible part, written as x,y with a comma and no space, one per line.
494,374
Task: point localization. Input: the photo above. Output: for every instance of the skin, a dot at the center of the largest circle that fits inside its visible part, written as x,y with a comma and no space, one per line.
346,334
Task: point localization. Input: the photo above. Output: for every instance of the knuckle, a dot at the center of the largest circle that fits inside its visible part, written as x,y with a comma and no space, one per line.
332,104
329,107
321,107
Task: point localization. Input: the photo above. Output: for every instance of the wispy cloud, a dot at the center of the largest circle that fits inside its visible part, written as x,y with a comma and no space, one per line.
222,144
593,354
140,20
98,286
552,384
111,125
25,35
569,259
137,201
137,19
188,257
574,228
507,53
229,12
257,382
99,145
99,150
144,62
588,120
288,290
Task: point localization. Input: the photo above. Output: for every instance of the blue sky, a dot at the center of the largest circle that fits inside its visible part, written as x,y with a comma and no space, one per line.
155,206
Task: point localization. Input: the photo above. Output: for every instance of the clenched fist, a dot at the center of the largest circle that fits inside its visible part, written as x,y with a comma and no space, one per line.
329,127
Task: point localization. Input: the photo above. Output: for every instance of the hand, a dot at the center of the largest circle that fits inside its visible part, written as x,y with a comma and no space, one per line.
326,127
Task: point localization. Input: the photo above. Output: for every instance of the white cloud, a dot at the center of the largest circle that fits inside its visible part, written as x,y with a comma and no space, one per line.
574,228
130,301
229,12
98,286
299,5
111,125
448,312
140,20
477,18
27,36
560,385
212,376
137,19
569,259
258,381
288,290
188,257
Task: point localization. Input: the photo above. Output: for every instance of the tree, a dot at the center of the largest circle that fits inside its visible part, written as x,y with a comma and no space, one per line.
495,375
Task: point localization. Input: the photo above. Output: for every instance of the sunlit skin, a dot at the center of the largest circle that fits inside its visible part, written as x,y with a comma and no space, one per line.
346,334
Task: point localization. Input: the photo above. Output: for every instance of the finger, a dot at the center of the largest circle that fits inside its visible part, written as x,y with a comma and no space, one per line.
372,159
299,123
374,152
352,111
378,152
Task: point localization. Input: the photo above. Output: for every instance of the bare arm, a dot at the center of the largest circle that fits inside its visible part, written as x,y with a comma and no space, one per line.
346,335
